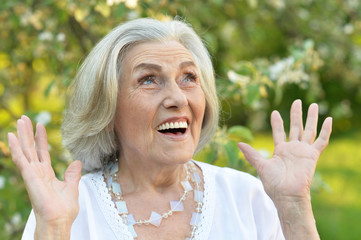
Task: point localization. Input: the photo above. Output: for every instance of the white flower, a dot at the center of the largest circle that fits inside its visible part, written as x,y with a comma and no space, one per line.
114,2
352,3
304,14
348,28
132,15
280,67
60,37
16,219
278,4
8,227
237,78
25,18
2,182
297,76
131,3
46,36
323,108
357,54
43,117
324,51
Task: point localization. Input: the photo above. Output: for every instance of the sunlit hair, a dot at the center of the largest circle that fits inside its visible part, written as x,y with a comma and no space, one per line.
88,126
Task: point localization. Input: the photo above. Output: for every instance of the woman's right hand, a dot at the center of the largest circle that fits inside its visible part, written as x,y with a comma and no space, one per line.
55,202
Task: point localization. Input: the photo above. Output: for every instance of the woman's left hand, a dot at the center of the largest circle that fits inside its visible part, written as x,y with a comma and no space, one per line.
288,174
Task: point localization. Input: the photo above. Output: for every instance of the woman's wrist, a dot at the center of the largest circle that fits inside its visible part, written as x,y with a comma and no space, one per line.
297,219
59,229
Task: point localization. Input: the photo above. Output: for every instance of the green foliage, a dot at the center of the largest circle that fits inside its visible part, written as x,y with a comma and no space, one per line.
336,193
223,151
265,53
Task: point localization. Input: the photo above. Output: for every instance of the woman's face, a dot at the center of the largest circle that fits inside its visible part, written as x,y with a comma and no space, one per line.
160,105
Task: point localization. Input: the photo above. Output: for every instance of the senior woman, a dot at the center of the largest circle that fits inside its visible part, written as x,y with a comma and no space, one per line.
143,103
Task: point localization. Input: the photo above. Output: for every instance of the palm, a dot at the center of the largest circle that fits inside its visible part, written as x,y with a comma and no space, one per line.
290,171
52,200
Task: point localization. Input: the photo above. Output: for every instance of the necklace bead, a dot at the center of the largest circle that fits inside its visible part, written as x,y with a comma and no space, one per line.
155,219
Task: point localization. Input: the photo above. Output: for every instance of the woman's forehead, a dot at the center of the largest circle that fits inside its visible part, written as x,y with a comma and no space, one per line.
154,54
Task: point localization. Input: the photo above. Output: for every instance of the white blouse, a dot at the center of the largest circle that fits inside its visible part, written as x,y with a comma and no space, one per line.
235,207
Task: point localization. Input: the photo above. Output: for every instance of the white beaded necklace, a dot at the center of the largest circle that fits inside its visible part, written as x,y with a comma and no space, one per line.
110,174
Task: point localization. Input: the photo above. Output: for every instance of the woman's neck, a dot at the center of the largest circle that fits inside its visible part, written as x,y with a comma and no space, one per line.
149,175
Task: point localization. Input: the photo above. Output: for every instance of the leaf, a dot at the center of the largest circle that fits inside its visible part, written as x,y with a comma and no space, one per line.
48,89
207,154
253,94
308,44
80,14
239,133
246,68
103,9
4,60
231,151
39,65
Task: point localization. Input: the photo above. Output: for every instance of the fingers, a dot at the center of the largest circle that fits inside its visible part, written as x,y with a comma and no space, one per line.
322,140
42,144
26,138
297,133
29,126
310,132
16,152
73,173
251,155
278,131
296,128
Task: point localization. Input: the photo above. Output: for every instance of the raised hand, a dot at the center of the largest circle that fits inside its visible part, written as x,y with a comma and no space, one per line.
55,202
288,175
290,171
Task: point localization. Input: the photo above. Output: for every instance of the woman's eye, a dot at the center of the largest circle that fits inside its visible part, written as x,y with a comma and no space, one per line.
147,80
190,78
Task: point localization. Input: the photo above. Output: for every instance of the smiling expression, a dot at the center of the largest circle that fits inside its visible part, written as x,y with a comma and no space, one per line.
160,104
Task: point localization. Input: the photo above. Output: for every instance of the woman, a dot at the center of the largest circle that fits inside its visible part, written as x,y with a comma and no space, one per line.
143,103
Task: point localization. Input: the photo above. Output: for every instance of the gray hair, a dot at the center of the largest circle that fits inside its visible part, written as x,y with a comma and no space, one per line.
88,126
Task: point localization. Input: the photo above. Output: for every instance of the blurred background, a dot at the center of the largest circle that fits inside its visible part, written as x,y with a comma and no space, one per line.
265,53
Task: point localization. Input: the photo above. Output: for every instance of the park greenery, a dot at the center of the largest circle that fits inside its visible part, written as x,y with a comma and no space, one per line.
265,54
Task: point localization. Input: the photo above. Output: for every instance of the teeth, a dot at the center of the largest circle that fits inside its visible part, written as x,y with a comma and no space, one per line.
172,125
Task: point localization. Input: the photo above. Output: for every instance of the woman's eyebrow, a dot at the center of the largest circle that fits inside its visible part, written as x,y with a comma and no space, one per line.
186,64
159,68
148,66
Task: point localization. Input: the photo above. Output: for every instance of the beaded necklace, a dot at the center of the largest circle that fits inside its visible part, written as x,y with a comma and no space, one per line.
155,219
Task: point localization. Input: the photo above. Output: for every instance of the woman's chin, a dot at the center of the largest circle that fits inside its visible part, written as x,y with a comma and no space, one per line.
176,157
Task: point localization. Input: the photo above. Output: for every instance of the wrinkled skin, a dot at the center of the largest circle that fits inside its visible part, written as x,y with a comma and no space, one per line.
286,177
55,202
290,171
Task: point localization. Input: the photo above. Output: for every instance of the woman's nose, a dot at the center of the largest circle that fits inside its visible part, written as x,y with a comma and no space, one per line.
175,97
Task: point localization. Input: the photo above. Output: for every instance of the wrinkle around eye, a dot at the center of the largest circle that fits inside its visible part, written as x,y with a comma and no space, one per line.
189,80
147,80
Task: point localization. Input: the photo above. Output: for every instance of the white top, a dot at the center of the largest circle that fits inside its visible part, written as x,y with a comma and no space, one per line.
235,207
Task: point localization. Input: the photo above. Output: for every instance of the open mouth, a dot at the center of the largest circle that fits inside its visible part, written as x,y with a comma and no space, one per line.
176,128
